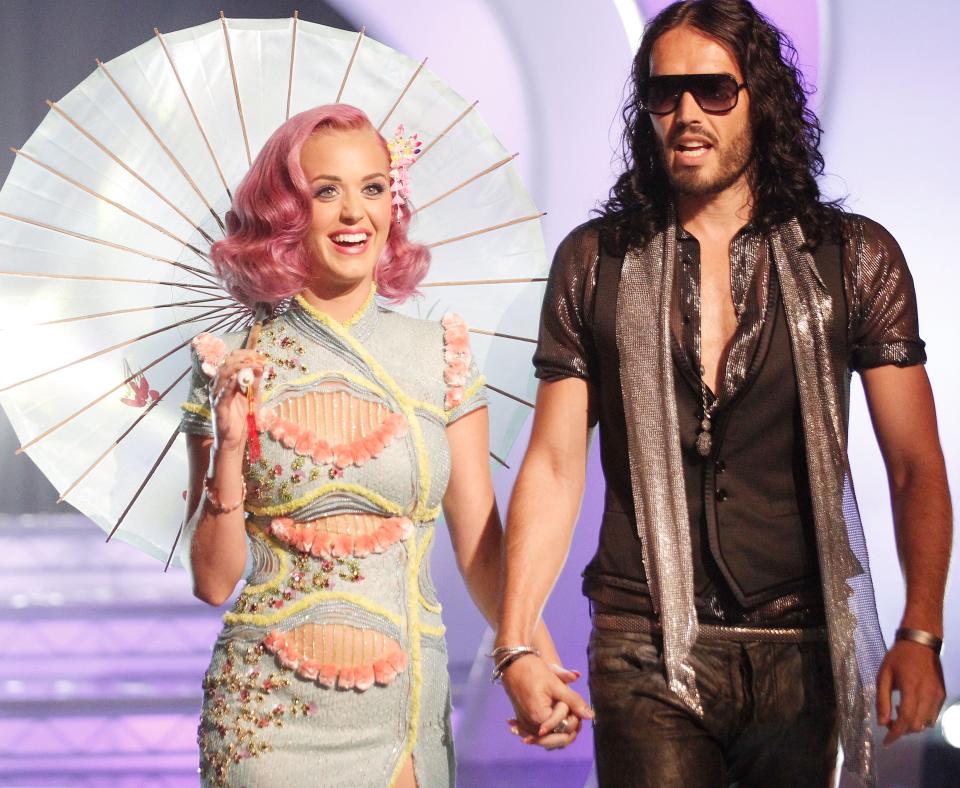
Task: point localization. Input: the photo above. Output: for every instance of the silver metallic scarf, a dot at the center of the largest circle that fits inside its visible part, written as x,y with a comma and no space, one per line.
656,473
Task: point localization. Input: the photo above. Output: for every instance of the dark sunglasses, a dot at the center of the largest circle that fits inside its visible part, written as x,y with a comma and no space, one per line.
713,92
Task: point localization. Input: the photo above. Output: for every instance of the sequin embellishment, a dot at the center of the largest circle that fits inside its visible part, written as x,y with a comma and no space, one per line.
238,709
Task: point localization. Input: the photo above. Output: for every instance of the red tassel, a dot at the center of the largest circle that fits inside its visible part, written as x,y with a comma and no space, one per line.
253,436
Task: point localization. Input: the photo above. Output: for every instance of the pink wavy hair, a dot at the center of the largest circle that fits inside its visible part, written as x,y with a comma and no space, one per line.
264,257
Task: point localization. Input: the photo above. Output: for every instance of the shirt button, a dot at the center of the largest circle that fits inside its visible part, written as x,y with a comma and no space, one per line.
721,494
721,466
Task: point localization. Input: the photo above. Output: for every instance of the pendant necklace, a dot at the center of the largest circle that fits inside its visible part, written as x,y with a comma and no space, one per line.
704,438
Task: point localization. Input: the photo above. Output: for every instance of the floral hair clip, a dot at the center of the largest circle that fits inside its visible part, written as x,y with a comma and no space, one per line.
403,153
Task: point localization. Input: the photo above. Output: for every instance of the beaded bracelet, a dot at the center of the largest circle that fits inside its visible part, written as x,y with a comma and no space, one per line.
212,502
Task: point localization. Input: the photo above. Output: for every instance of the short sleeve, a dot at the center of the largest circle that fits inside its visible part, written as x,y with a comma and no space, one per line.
196,418
565,343
884,325
464,387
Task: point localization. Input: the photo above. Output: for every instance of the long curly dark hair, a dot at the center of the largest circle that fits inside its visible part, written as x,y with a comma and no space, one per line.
786,159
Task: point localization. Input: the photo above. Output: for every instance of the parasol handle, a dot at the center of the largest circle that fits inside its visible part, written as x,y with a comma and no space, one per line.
245,376
245,379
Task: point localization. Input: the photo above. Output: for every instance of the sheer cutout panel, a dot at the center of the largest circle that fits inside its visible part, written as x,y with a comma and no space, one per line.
333,427
339,655
342,535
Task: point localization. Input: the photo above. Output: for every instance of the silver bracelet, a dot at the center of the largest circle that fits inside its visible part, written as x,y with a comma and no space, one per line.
505,656
920,636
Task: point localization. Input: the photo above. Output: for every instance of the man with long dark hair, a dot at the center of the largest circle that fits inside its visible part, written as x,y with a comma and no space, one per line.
709,319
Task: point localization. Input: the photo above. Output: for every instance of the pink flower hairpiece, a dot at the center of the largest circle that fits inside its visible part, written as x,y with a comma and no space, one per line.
403,152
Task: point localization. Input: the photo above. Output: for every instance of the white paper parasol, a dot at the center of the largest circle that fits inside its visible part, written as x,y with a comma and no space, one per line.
113,202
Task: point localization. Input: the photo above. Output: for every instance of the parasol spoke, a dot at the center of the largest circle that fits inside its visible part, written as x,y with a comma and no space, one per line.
123,435
200,128
160,142
93,193
402,94
179,211
442,134
143,484
236,87
353,57
50,430
468,282
198,272
68,409
502,336
467,182
487,229
173,547
176,539
504,464
508,395
116,346
293,58
112,312
196,288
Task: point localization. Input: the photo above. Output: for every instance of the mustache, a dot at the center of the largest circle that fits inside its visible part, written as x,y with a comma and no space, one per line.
689,128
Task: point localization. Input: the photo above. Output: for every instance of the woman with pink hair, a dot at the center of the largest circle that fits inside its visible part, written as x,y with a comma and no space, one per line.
327,452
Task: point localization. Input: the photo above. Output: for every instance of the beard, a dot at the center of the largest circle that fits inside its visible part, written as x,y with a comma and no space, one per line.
733,161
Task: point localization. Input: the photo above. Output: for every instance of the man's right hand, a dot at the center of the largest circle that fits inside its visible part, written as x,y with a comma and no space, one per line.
542,701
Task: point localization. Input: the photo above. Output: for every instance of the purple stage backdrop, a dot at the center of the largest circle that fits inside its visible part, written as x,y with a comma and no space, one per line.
103,653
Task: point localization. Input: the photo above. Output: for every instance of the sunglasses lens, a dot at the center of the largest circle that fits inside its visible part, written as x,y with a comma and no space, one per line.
662,95
713,92
716,93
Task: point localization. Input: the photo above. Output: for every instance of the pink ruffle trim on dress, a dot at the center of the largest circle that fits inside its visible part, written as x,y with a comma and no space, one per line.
358,677
211,350
306,538
456,353
305,442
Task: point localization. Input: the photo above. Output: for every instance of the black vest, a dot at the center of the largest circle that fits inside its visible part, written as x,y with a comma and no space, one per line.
751,523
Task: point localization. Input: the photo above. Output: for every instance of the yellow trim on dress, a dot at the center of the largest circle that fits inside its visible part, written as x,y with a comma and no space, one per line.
276,510
416,669
358,380
323,317
427,407
437,631
266,619
421,552
436,609
406,403
199,410
422,547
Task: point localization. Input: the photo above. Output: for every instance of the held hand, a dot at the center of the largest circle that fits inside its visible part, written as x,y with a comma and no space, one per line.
543,703
230,401
914,670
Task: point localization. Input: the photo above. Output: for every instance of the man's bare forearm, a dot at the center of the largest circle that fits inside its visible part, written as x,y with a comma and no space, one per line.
542,515
923,522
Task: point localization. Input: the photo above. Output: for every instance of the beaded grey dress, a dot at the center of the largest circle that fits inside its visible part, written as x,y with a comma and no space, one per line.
331,667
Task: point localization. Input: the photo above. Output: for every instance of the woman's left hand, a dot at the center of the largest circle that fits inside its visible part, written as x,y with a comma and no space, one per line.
562,733
565,731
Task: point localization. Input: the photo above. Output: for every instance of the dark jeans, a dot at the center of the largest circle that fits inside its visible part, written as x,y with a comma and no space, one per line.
769,715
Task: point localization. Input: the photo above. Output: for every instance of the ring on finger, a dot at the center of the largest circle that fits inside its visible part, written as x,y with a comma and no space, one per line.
562,727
